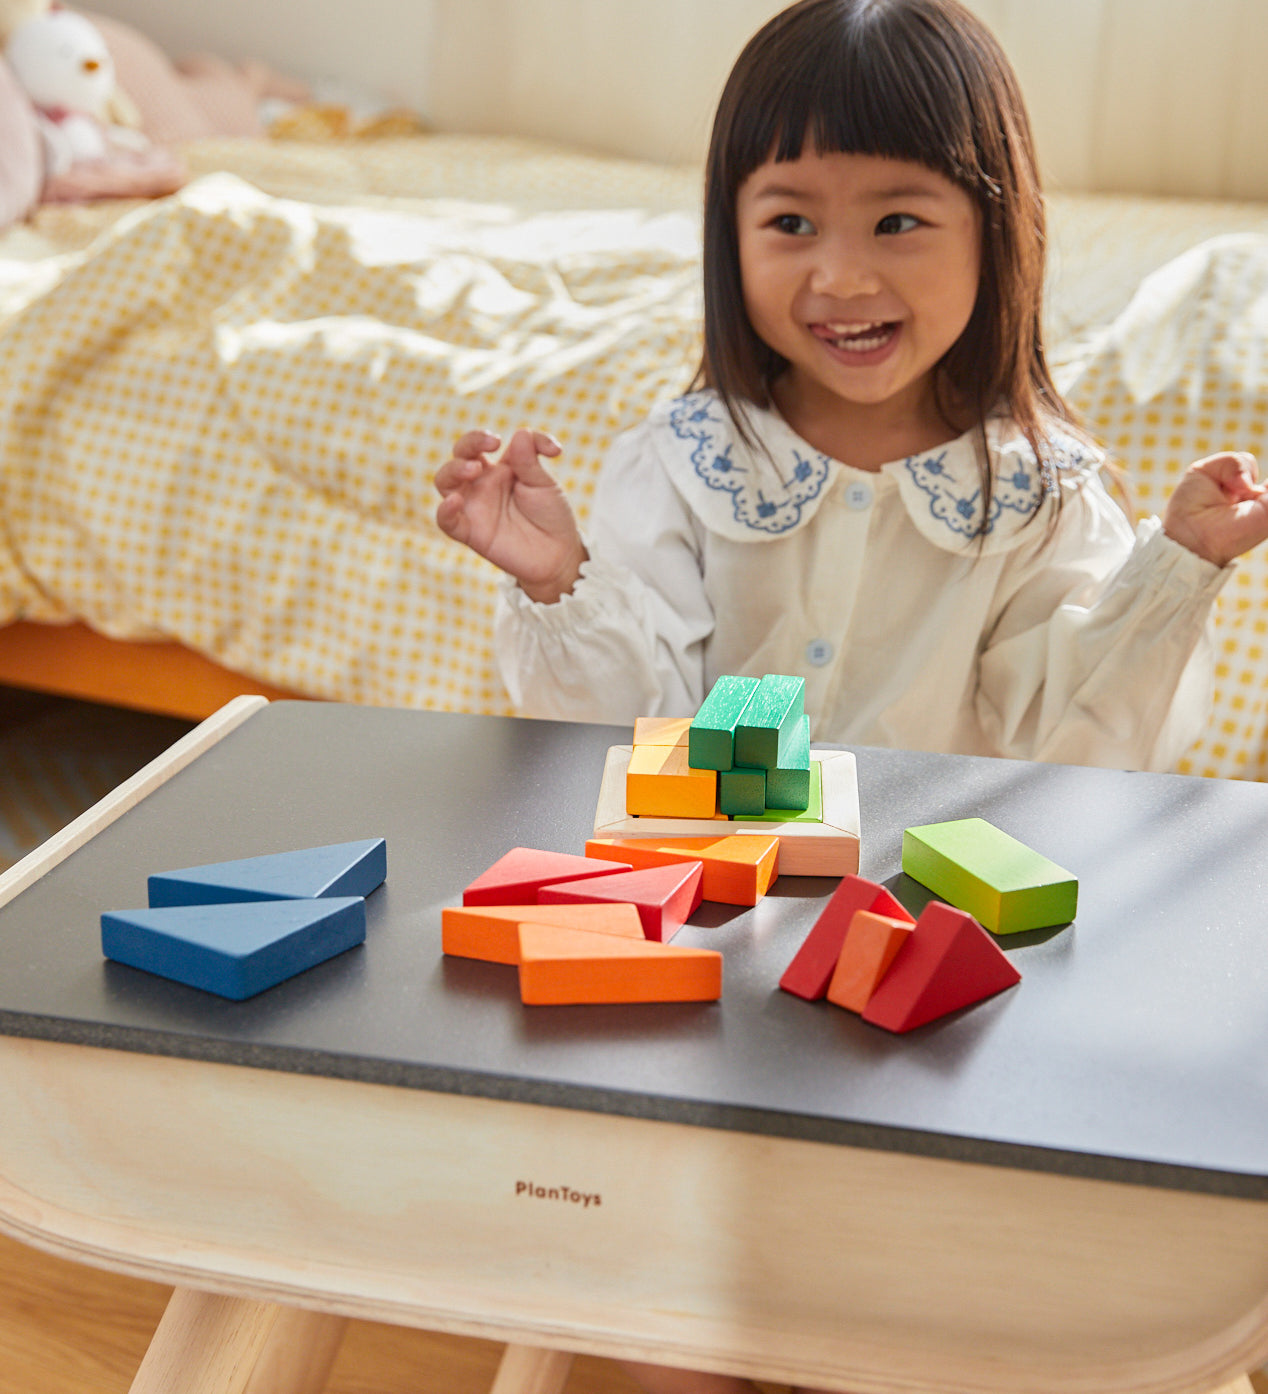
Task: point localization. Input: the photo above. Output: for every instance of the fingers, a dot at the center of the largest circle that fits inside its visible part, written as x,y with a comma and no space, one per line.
1236,472
522,455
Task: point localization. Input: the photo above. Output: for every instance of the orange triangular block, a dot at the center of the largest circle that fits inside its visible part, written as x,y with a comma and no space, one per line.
948,962
491,932
563,966
738,868
517,876
871,945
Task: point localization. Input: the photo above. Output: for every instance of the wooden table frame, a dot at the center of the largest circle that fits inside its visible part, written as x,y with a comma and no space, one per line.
280,1205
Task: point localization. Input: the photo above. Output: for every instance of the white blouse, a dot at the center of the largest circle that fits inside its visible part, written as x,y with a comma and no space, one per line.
1061,638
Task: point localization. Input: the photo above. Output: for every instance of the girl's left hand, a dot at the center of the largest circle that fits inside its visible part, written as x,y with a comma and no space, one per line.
1219,509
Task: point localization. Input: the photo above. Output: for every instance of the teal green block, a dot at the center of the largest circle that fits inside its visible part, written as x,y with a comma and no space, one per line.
742,792
814,804
788,784
769,721
711,735
1005,885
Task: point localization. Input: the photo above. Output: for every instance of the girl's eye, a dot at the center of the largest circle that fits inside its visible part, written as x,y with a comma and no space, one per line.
897,222
793,224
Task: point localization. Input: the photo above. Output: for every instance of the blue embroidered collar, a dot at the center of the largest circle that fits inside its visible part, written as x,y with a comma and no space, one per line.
776,489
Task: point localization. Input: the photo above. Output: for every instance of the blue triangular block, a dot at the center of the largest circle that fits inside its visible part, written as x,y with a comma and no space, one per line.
343,868
234,950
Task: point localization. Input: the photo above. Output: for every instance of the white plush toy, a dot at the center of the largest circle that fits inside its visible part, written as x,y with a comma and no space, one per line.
63,64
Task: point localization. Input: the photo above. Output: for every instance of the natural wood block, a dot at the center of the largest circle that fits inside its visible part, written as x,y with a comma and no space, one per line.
811,969
788,783
769,720
234,950
871,944
741,792
948,962
659,783
738,868
340,869
813,811
827,848
975,866
711,736
516,877
661,730
491,932
665,896
564,966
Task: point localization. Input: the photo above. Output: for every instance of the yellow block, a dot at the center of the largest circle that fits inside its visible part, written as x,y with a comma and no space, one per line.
661,730
660,783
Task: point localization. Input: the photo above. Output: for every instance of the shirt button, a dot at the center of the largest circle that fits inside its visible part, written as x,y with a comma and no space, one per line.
818,652
858,495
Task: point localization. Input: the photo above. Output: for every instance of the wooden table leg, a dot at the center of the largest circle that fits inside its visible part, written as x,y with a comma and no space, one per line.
205,1345
532,1370
299,1354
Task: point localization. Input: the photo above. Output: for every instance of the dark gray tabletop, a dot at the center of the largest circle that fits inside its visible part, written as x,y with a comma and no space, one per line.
1135,1048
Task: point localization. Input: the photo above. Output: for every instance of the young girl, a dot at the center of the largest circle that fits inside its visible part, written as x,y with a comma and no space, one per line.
875,483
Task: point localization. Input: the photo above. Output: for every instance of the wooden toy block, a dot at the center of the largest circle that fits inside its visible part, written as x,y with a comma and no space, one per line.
948,962
711,735
1005,885
738,868
812,966
827,848
788,784
340,869
871,944
764,731
813,811
664,895
516,877
234,949
491,932
659,783
741,792
661,730
567,967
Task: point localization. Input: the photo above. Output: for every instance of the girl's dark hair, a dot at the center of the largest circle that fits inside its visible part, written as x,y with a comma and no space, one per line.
917,80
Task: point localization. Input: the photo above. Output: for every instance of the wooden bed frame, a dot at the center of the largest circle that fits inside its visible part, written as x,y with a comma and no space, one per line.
73,660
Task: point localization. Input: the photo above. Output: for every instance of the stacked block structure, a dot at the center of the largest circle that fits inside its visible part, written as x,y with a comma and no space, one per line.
745,754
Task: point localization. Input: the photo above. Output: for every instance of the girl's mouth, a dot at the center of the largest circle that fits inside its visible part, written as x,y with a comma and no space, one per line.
857,337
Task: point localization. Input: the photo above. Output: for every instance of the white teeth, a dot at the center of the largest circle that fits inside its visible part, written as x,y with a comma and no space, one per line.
858,338
852,331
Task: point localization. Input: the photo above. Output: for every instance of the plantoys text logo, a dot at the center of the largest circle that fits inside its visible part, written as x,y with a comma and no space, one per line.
585,1199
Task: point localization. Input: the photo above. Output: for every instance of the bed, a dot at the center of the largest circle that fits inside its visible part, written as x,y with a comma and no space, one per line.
220,410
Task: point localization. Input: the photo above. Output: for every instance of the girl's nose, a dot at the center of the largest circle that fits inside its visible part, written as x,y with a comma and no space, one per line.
842,271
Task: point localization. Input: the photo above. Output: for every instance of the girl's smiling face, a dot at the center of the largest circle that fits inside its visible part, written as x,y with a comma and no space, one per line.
861,272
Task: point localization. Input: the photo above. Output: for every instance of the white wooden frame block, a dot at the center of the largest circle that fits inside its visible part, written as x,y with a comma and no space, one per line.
829,848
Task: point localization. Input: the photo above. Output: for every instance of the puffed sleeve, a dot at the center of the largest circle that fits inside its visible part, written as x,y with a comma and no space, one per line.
1100,651
629,639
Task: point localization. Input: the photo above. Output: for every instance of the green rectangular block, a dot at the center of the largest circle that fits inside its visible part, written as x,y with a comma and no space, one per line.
814,804
711,735
742,792
769,720
1005,885
788,784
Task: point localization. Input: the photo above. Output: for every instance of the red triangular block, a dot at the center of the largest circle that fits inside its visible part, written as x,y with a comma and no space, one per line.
665,895
515,879
810,972
948,962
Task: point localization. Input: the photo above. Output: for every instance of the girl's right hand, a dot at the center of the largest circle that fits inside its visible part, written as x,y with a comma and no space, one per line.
512,512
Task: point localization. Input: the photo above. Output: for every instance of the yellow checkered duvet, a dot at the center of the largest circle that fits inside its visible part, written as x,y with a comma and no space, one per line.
220,413
220,423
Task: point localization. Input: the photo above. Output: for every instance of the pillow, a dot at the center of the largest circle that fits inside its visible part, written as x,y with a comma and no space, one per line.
1183,373
21,153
